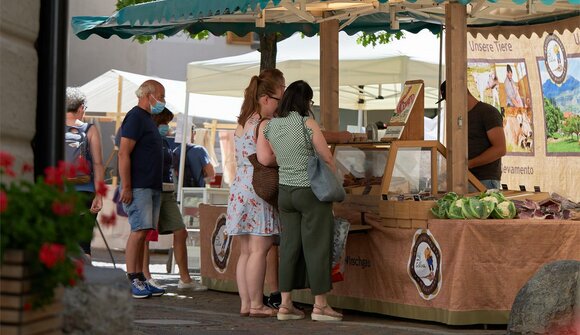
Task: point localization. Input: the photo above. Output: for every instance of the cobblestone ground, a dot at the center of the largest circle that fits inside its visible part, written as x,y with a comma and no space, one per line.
212,312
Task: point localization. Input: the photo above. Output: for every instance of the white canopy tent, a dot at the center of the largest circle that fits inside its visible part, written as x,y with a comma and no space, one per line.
113,93
381,69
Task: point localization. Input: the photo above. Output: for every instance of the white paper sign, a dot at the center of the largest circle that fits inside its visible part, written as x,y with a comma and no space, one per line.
179,130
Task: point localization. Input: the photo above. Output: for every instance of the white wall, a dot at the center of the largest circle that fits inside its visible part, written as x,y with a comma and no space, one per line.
19,23
94,56
170,56
166,58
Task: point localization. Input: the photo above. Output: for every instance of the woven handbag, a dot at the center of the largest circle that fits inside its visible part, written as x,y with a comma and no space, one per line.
265,178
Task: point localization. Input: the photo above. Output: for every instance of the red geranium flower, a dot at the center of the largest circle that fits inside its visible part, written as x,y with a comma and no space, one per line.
27,168
79,268
83,166
6,160
50,220
53,176
10,172
62,208
66,169
51,253
3,201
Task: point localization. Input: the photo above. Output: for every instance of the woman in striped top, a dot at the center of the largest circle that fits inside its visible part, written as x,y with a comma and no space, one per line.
307,223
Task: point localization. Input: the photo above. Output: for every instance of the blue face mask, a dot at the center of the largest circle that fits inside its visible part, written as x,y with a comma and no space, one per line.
158,107
163,129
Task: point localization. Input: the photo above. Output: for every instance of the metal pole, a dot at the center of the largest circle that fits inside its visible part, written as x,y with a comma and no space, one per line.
439,87
48,142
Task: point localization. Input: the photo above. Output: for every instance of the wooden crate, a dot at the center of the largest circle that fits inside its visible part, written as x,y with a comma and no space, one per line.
406,214
16,316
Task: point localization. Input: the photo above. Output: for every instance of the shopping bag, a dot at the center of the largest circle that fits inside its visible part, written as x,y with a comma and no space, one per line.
341,227
324,183
118,203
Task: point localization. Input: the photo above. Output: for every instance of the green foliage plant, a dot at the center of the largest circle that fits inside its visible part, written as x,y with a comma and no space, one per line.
46,219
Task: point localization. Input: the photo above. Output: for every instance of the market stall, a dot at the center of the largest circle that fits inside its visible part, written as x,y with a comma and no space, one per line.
402,261
379,276
480,266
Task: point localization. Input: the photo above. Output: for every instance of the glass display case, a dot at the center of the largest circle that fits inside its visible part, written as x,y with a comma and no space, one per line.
361,167
396,169
380,178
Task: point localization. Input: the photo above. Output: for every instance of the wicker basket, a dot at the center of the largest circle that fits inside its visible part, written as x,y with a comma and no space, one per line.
265,181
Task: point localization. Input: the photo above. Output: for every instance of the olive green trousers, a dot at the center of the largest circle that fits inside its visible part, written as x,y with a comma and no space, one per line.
305,240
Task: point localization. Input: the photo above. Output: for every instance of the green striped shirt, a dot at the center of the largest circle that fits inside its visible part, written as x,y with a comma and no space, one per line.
286,134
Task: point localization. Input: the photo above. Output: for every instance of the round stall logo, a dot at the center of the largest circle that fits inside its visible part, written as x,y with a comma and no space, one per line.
221,242
555,58
425,264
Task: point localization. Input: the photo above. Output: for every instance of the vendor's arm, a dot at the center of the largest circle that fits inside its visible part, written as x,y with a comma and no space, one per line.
98,168
125,148
198,156
264,150
497,149
320,144
208,172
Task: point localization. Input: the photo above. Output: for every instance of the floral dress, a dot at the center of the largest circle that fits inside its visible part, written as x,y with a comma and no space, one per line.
247,212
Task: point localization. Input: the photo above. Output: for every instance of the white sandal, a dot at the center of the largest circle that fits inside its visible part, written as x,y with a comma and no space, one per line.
293,313
327,314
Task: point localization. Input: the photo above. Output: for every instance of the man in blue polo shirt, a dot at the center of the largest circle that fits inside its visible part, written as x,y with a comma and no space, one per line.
140,169
198,168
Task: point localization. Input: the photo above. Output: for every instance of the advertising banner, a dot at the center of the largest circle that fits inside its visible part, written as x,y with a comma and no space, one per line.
534,82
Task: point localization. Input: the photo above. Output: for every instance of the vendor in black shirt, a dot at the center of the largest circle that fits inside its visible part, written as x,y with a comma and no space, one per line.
486,140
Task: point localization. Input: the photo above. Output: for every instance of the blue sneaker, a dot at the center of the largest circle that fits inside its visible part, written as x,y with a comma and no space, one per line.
154,290
138,289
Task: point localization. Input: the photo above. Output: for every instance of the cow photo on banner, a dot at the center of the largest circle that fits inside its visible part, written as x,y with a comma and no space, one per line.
532,76
505,85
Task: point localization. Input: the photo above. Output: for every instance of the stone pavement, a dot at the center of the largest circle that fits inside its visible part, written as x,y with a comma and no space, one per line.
212,312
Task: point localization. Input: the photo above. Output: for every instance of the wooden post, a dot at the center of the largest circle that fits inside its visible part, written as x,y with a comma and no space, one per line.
329,75
117,122
119,102
456,102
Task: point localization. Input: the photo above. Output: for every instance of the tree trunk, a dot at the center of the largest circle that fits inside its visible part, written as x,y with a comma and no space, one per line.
268,50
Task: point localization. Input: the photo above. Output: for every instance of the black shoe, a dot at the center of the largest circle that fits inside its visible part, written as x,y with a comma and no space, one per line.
299,306
274,300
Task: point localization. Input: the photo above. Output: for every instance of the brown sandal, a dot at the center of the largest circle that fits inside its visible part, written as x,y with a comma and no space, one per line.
290,314
325,314
262,312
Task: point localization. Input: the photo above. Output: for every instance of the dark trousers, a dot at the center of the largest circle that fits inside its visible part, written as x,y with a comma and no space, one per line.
86,245
305,240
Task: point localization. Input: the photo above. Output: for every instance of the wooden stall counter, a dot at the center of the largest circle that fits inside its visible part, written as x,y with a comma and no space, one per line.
456,272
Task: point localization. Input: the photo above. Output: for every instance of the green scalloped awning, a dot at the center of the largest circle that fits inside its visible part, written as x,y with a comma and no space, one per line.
167,10
85,26
168,17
